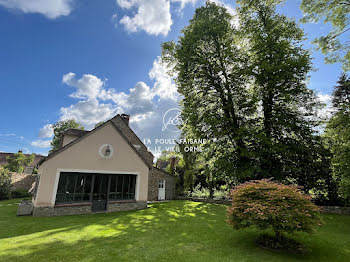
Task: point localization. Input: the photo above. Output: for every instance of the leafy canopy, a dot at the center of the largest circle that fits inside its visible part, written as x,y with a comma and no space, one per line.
5,183
59,128
210,75
338,133
17,162
336,43
284,137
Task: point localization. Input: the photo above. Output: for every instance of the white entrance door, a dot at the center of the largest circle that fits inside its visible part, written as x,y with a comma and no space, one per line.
161,190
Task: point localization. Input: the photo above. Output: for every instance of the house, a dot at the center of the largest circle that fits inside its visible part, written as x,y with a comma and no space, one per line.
106,169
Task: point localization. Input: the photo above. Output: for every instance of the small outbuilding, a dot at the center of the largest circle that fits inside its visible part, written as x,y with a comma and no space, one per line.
106,169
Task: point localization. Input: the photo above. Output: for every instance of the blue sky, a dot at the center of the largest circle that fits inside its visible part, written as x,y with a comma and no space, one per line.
92,59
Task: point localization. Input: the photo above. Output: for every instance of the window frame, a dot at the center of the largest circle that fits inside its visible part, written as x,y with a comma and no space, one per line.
128,190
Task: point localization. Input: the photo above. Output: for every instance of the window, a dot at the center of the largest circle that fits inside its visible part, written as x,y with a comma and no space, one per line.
84,187
122,187
74,187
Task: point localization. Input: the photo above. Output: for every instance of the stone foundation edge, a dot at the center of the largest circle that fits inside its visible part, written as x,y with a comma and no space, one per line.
86,209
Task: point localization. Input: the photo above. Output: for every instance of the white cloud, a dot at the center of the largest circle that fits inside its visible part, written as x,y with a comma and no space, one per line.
183,3
49,8
164,86
88,86
152,16
114,20
88,112
41,143
46,131
10,134
146,104
327,110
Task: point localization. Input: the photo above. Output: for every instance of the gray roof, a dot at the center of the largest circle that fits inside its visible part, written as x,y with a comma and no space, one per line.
75,132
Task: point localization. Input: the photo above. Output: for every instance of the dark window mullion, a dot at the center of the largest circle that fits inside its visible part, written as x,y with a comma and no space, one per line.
101,182
92,187
108,186
116,187
123,187
134,187
66,188
128,194
83,192
75,187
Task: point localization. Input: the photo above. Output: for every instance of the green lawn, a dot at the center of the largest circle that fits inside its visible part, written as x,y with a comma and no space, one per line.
172,231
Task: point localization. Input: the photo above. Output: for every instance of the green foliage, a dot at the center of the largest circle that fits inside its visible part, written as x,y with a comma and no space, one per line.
271,205
335,44
338,134
5,183
17,162
341,93
244,90
199,192
20,193
59,128
210,71
222,193
99,124
188,180
284,138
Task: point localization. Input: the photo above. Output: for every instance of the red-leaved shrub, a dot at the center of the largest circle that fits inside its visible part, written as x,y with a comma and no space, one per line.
271,205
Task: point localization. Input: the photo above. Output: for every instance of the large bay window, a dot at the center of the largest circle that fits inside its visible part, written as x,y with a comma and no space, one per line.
84,187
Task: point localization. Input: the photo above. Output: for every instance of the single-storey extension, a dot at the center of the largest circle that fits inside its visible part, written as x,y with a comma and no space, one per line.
106,169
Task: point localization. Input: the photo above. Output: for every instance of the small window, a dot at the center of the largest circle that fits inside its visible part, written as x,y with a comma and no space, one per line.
161,184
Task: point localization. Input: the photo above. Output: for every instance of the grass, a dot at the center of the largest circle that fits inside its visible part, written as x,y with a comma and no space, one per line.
171,231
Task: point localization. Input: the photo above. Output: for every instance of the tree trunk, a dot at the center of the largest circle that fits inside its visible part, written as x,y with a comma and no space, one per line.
279,236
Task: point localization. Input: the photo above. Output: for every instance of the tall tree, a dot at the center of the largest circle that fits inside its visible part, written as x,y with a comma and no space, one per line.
335,44
210,74
341,93
338,132
17,162
59,128
188,163
279,66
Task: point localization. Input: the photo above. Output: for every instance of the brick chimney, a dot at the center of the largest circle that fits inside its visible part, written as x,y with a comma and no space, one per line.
126,118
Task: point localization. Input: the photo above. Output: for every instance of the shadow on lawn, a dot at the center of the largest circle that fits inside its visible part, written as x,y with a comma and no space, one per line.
28,237
183,230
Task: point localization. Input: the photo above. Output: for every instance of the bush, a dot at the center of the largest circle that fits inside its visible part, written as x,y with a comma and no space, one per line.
20,193
5,183
222,192
271,205
199,192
